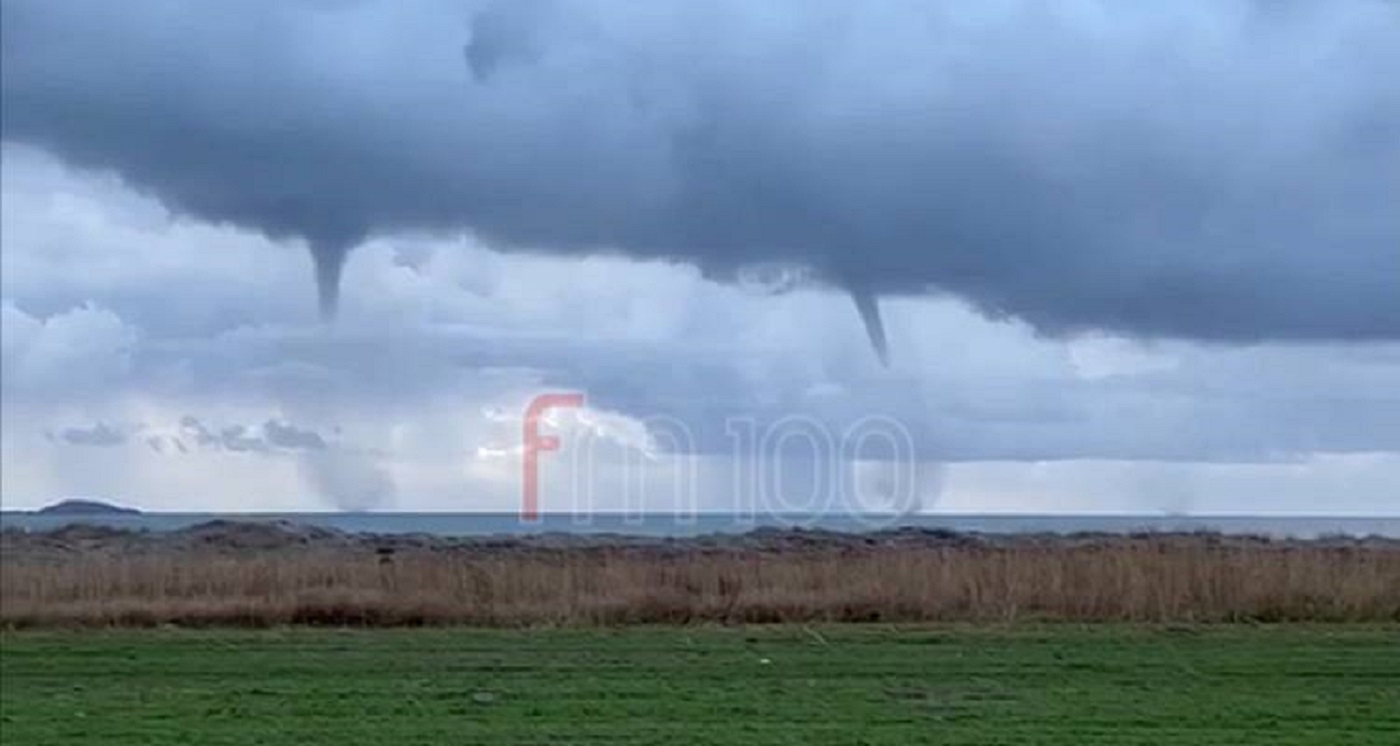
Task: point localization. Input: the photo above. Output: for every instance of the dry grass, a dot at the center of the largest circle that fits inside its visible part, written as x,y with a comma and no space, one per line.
1182,579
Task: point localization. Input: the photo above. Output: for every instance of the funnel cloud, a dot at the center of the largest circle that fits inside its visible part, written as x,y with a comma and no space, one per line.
328,261
869,307
1224,170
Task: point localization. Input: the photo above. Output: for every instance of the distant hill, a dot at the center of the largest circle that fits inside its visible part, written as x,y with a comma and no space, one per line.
85,507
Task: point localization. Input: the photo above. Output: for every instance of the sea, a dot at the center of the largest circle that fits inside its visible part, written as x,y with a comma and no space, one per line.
669,524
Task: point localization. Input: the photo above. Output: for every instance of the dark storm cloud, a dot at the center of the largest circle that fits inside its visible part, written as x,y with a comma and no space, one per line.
192,428
273,436
284,435
100,435
1219,170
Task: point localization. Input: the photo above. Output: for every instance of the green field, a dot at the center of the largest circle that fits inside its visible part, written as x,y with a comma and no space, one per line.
774,685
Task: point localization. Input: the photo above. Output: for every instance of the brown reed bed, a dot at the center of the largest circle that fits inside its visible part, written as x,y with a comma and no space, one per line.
1146,579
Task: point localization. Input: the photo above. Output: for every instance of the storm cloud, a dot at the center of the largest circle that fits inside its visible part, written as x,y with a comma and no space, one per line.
273,435
100,435
1217,170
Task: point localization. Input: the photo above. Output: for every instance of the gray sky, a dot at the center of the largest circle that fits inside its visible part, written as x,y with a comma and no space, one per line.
1128,257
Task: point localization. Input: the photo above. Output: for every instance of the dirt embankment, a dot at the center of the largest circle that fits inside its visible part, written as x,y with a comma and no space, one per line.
235,538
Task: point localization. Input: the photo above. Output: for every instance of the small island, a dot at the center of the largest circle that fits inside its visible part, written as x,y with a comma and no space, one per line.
86,507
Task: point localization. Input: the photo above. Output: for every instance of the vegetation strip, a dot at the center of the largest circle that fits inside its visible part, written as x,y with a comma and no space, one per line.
261,575
871,684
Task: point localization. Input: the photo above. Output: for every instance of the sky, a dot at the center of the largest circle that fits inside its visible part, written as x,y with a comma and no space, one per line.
797,256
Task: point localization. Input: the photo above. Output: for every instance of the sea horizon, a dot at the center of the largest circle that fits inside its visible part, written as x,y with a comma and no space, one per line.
485,523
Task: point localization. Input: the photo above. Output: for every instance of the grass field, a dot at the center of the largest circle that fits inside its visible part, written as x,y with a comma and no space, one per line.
760,685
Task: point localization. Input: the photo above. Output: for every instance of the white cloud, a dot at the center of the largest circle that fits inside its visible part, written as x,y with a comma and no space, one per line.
74,350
